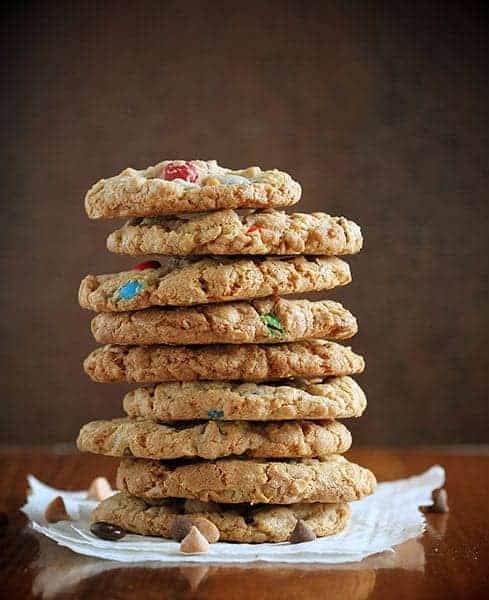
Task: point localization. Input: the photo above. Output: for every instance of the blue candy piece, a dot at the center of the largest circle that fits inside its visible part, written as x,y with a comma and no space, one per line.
215,414
234,180
129,290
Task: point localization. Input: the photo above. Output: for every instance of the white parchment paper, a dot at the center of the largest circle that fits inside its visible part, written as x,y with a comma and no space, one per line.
387,518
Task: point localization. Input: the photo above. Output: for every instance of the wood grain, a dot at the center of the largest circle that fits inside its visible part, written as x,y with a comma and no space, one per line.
448,561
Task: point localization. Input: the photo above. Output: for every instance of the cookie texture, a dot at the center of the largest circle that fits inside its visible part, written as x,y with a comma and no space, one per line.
270,320
212,439
334,398
182,282
152,191
227,232
250,362
333,479
243,523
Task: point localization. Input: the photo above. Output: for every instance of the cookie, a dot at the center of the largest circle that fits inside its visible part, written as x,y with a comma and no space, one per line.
210,440
226,233
249,362
179,186
182,282
333,479
334,398
270,320
236,523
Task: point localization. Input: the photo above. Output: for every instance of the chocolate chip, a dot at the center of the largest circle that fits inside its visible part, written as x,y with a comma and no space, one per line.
440,501
249,518
107,531
56,511
248,513
301,533
180,527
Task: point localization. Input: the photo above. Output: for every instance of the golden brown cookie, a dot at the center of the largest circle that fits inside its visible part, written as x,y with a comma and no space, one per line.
270,320
333,479
334,398
180,186
236,523
226,233
249,362
212,439
182,282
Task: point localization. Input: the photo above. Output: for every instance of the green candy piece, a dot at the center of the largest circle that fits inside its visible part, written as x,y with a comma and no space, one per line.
273,323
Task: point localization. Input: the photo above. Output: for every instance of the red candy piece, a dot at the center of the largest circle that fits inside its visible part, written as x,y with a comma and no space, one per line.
185,171
147,264
253,228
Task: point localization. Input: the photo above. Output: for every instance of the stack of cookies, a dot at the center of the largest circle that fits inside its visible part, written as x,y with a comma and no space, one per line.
234,422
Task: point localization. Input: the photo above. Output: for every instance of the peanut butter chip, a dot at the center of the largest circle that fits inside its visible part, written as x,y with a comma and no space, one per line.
252,172
99,489
440,501
211,181
207,529
194,543
56,511
301,533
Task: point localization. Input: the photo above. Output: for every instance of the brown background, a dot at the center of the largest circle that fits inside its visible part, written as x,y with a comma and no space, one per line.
380,110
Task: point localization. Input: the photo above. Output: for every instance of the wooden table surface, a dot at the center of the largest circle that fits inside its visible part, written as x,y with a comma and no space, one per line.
451,560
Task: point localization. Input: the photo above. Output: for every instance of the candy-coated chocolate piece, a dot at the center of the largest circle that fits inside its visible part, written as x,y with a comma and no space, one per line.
129,290
253,228
147,264
177,170
215,414
273,323
234,180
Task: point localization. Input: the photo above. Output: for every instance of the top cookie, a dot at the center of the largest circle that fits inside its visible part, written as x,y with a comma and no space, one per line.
225,232
179,186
